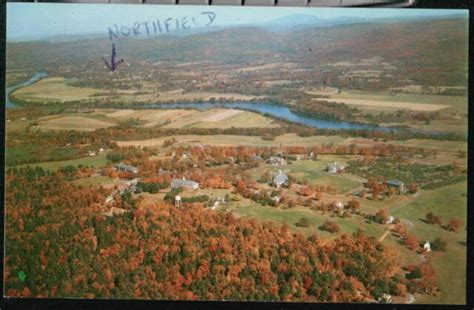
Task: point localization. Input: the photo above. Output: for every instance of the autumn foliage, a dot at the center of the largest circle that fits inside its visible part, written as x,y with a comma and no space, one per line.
57,235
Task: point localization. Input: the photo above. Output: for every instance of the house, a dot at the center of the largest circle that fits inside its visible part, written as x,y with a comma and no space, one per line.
335,168
132,184
280,179
255,157
218,202
276,199
128,168
276,161
109,199
337,205
390,220
385,299
397,184
427,246
189,184
101,150
91,153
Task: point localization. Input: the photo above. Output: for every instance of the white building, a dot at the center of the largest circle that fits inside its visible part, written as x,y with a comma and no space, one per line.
390,219
276,161
280,179
385,299
335,168
427,246
337,205
189,184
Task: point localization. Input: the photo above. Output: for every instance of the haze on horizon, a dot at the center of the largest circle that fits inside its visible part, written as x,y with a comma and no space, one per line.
36,21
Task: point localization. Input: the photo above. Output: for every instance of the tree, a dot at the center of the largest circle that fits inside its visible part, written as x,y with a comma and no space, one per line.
412,242
353,205
412,188
381,216
302,222
115,157
432,219
454,224
331,227
438,245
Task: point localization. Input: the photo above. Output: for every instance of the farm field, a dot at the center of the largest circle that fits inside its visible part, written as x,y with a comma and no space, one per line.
96,161
52,89
58,89
384,101
452,110
229,140
213,118
80,123
447,202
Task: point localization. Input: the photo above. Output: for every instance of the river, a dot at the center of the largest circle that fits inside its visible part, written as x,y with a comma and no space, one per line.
36,77
276,110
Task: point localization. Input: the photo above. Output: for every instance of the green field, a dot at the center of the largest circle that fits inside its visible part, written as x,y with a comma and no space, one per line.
234,140
96,161
94,181
315,218
314,172
447,202
52,89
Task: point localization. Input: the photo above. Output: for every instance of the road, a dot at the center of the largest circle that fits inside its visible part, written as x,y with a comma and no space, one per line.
384,235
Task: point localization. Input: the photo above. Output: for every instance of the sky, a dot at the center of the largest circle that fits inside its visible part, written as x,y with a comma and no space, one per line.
26,21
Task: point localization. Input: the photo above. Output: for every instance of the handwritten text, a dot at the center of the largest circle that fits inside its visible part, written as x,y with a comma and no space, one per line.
156,27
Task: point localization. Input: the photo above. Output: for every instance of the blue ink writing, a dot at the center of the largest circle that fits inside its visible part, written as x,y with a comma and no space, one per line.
113,64
149,28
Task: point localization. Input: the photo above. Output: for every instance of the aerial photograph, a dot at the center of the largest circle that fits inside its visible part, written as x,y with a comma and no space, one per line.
236,153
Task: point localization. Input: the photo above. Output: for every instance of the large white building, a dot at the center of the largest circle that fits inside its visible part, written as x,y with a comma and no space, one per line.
176,183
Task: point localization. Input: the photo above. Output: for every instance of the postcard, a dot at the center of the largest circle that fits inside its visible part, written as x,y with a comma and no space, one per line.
236,153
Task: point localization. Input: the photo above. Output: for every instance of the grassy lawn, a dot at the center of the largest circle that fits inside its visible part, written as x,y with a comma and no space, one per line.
314,172
96,161
247,208
94,181
447,202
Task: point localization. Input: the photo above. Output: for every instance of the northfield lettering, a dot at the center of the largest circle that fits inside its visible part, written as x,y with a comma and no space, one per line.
150,28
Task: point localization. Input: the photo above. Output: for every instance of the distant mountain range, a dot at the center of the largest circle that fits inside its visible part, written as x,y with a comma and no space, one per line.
422,50
282,24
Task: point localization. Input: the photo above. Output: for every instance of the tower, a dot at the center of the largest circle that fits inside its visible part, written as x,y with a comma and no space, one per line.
177,201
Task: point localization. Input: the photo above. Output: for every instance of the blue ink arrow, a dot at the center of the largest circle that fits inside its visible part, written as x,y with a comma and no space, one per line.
113,64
